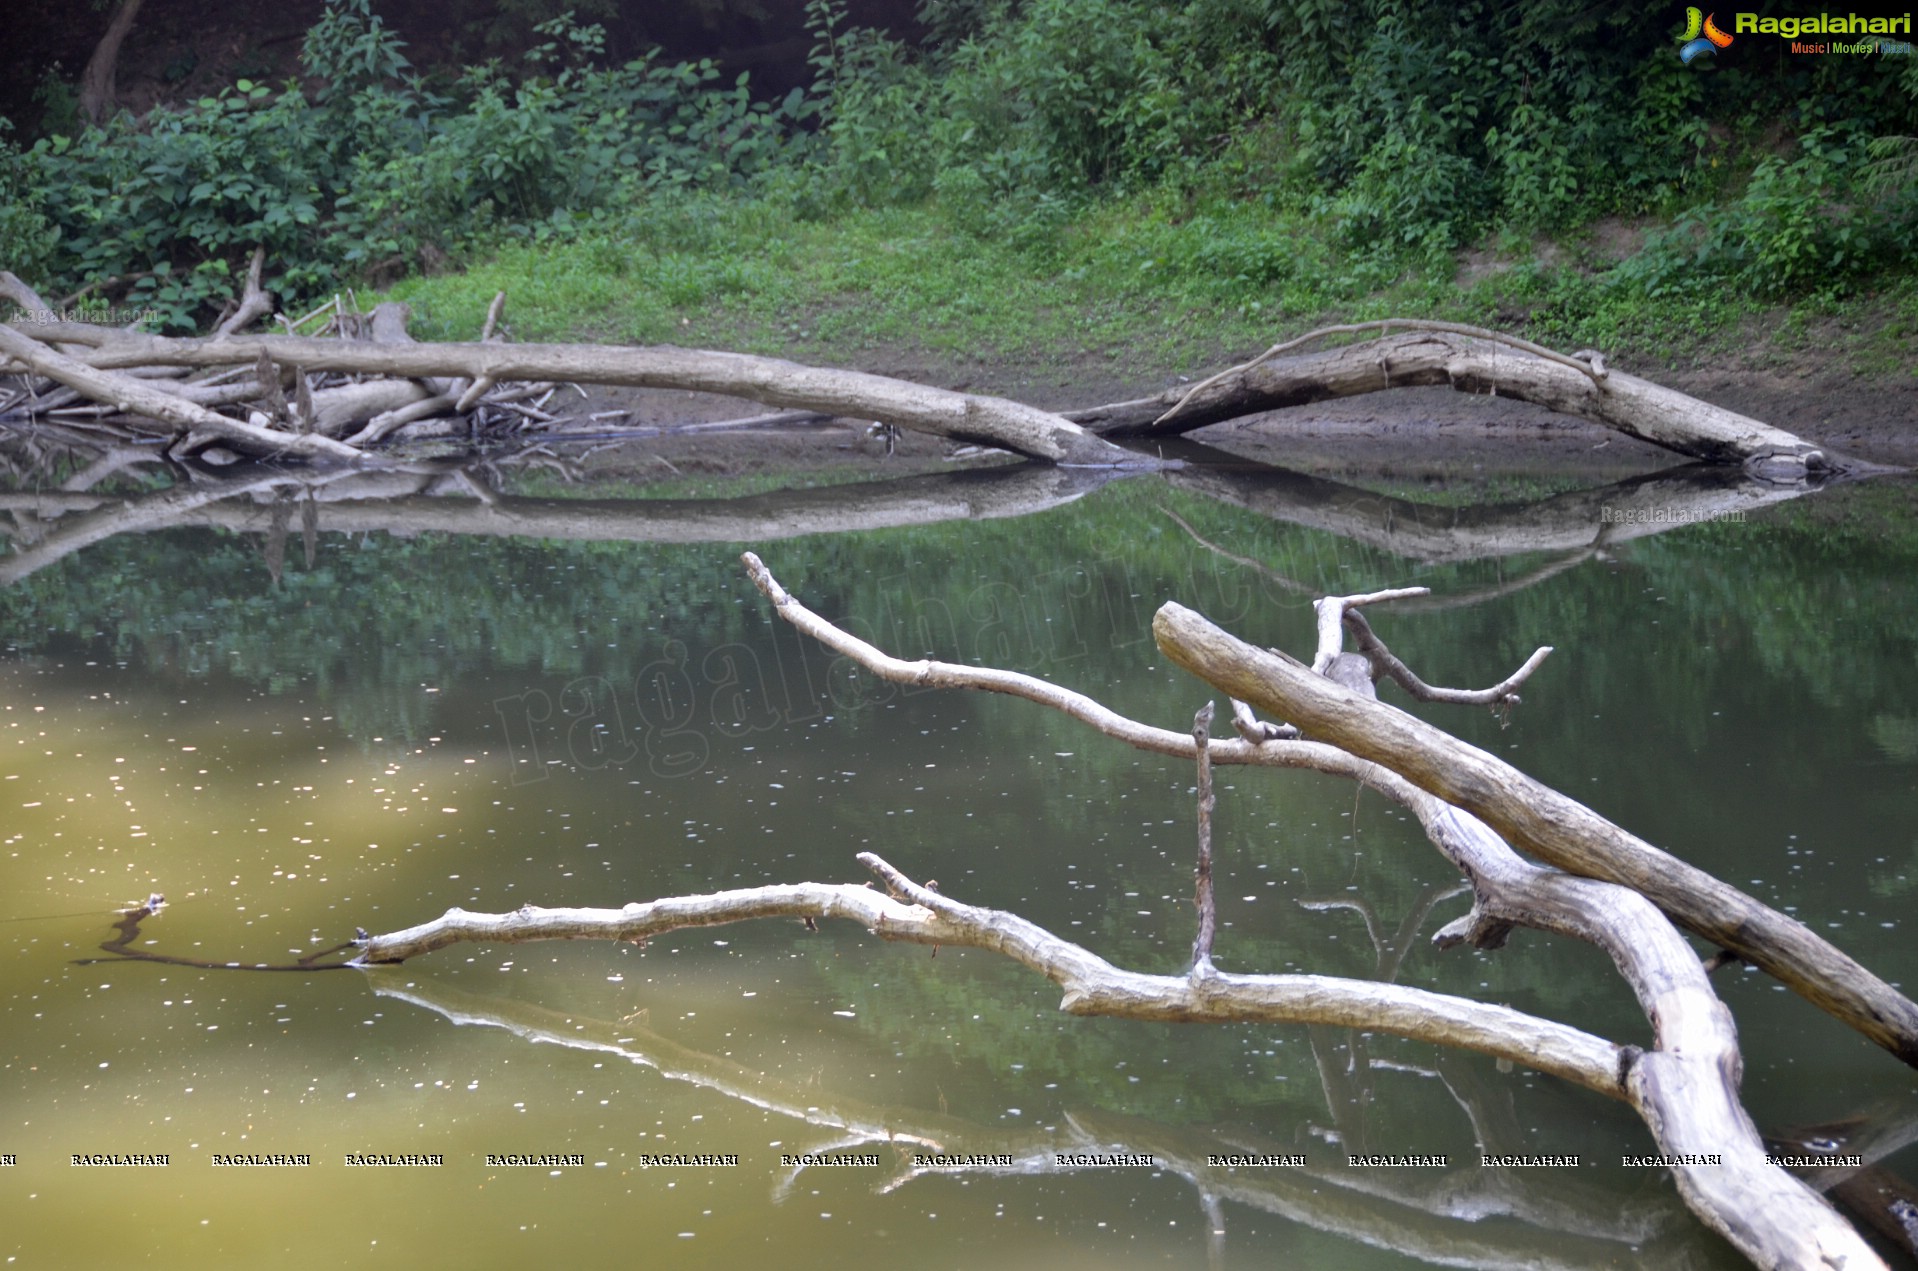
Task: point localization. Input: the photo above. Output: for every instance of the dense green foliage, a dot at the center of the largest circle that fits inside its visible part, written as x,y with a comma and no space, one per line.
1295,154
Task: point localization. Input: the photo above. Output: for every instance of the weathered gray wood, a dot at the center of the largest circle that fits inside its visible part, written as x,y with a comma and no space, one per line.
1090,984
1651,412
990,421
135,397
1685,1088
1545,823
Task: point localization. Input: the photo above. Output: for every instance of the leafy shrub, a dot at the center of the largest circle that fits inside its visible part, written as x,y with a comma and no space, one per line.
376,168
1810,221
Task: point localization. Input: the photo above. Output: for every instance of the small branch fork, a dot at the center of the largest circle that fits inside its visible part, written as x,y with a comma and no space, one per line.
1337,613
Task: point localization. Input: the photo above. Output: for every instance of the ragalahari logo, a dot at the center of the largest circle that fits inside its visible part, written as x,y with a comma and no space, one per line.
1691,44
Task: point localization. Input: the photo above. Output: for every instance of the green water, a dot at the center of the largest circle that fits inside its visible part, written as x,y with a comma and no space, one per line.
470,717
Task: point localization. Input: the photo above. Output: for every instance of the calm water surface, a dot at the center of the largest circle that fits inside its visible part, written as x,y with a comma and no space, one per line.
290,749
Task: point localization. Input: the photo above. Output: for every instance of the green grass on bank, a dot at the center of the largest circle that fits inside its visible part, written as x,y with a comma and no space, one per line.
1148,285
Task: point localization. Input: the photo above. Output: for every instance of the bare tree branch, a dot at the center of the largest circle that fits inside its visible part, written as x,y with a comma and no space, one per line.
1092,986
1552,827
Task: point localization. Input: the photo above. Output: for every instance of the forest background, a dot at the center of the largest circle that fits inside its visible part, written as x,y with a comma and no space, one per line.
1120,181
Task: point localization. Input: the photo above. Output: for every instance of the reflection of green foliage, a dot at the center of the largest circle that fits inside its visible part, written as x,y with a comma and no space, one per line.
1067,594
1892,880
1896,735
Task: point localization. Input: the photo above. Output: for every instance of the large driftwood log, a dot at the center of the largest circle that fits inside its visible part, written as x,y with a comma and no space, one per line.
989,421
1472,361
1543,822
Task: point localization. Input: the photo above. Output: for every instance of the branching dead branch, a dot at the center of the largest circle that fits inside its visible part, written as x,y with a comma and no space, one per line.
1540,820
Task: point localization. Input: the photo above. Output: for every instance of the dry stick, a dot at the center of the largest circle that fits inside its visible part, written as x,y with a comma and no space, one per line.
254,302
1208,907
1332,609
1545,823
133,397
493,312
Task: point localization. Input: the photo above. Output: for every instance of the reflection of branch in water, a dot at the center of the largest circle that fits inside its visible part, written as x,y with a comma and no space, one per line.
1885,1200
424,498
1438,1221
1391,950
1290,584
128,926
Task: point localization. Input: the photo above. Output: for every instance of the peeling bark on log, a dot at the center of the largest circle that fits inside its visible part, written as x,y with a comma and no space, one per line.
1640,408
1545,823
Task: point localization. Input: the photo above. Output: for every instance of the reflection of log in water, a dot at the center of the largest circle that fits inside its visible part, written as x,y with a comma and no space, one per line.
404,503
1434,533
1553,1219
53,524
119,948
1871,1192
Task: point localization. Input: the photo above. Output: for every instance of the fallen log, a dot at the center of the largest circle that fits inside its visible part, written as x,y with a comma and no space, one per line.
1470,360
134,397
966,417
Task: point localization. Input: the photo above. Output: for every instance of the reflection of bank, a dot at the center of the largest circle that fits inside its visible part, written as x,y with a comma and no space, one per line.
666,718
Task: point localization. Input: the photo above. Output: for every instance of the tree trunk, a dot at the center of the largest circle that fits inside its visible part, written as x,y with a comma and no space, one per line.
97,100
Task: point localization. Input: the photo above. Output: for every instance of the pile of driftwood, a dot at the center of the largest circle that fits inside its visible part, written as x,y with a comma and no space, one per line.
359,381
